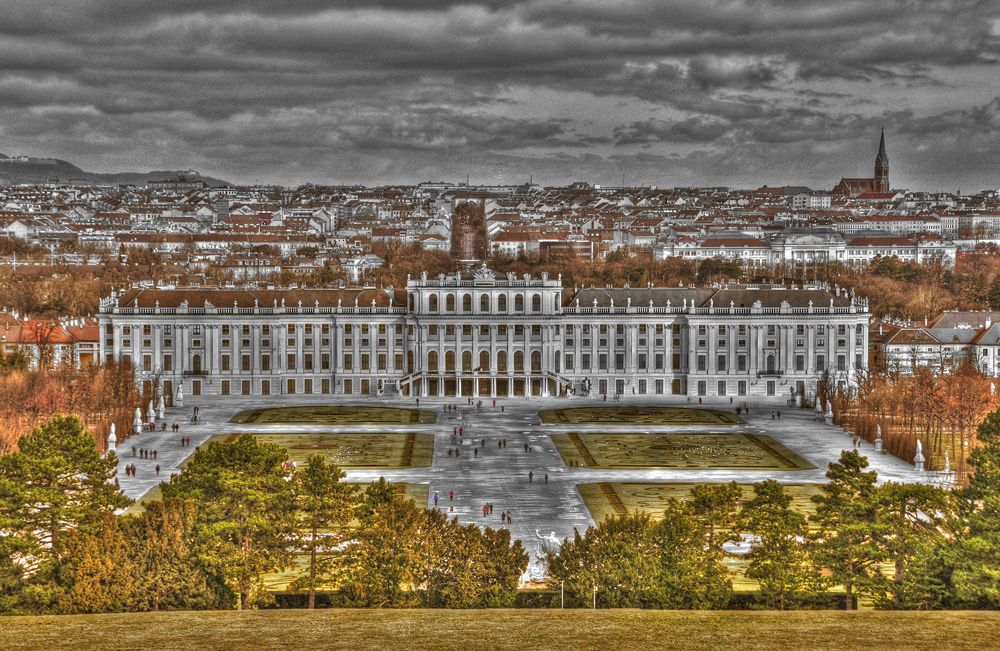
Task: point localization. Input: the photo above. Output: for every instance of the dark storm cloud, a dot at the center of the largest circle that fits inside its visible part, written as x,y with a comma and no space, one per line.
299,89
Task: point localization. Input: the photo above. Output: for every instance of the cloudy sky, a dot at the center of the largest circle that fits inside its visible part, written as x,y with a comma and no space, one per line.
669,92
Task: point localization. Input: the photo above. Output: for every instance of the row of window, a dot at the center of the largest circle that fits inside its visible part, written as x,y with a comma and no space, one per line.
484,303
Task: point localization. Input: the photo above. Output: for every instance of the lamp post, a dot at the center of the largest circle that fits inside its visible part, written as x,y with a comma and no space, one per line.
562,595
595,597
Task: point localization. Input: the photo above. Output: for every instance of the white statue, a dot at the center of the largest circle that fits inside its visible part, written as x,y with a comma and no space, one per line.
179,400
160,408
150,414
112,439
947,462
878,438
918,460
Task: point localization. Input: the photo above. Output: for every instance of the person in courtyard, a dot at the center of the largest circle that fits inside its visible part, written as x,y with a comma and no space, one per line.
475,452
157,470
546,478
451,495
435,499
154,455
531,476
133,450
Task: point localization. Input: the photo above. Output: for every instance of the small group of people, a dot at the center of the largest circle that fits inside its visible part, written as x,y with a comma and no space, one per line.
531,477
185,442
143,453
773,413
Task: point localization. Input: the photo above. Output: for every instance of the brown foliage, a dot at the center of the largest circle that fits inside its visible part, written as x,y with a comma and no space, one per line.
99,395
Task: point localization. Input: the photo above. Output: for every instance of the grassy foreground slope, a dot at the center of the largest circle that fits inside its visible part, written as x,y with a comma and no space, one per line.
504,629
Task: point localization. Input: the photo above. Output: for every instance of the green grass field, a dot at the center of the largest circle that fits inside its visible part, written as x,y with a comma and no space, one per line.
335,415
639,415
535,630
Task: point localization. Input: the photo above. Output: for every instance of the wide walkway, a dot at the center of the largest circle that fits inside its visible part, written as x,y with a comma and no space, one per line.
500,475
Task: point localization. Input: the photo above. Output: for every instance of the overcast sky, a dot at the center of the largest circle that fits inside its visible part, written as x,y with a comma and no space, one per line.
670,92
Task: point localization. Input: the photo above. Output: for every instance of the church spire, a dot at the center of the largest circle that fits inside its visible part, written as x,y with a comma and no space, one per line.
881,180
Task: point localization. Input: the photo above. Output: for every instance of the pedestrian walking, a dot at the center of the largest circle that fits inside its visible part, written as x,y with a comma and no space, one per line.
501,409
456,452
484,443
451,495
505,442
133,450
475,452
499,444
779,415
772,414
491,508
449,452
531,476
189,441
157,470
546,478
486,510
182,441
503,516
435,499
494,404
525,447
154,455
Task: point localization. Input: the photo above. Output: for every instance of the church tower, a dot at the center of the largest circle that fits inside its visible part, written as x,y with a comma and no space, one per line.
881,181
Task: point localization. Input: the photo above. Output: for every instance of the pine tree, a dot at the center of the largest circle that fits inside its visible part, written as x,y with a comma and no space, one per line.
383,560
325,505
246,512
850,530
56,482
94,571
718,507
778,560
910,517
166,572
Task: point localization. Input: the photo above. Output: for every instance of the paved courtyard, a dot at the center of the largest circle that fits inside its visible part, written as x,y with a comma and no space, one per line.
551,501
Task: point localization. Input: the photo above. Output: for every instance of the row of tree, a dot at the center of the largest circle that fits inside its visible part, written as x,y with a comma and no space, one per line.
236,514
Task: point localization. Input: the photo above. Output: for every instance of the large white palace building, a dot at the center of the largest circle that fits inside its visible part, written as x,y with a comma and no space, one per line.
488,335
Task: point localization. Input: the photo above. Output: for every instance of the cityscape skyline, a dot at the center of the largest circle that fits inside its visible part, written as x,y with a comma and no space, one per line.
739,94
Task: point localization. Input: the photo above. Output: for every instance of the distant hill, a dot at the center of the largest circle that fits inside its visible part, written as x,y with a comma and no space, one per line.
40,170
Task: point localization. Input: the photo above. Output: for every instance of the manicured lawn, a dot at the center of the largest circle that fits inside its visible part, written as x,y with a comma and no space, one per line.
414,630
639,415
335,415
677,451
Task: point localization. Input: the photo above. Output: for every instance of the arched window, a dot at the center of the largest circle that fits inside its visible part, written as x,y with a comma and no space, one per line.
467,303
770,363
518,361
536,362
536,303
467,361
449,303
502,303
519,303
558,361
432,303
484,303
484,360
555,303
502,361
196,364
432,362
449,362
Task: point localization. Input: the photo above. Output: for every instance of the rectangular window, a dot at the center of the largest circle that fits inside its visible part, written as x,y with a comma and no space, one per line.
642,387
381,361
245,329
676,365
245,387
348,364
702,364
702,330
291,387
659,387
642,363
841,362
770,387
147,363
265,330
168,363
741,362
246,363
603,361
265,387
619,362
586,362
721,363
741,388
265,362
398,362
325,361
800,362
291,362
325,385
722,331
800,330
348,387
195,387
722,387
365,363
569,361
225,362
307,385
225,331
702,388
820,362
307,361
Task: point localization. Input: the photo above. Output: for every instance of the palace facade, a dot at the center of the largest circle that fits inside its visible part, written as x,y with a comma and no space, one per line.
488,335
